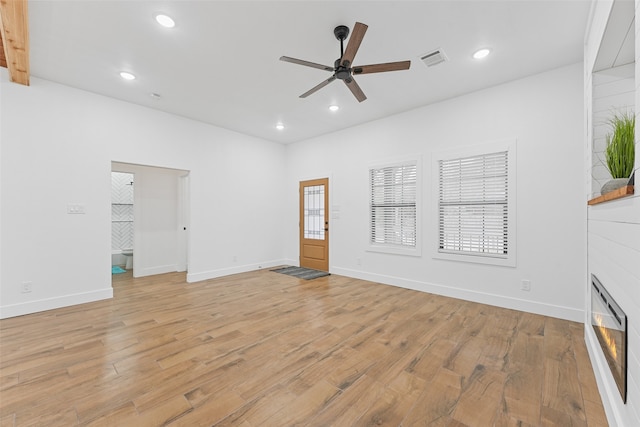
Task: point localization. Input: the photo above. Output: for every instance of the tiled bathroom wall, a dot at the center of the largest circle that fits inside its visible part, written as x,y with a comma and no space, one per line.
121,210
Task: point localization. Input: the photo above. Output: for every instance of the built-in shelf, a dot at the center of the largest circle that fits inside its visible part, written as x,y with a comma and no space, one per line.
612,195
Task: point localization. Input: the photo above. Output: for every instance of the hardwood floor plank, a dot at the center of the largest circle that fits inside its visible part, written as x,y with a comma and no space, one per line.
305,406
265,349
215,408
481,397
523,385
44,416
351,405
7,420
388,410
168,411
437,402
561,390
263,407
118,416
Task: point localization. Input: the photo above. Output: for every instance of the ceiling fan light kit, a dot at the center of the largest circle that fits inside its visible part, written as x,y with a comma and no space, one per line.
342,67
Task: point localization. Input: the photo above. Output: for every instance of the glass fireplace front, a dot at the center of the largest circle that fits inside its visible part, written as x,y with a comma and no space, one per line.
610,325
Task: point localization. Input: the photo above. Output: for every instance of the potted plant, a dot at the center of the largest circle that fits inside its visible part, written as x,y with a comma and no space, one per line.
620,151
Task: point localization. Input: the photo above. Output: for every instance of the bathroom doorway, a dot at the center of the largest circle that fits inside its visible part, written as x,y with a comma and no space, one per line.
160,212
121,222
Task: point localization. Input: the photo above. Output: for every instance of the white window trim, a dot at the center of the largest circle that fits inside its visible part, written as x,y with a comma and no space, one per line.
477,150
396,250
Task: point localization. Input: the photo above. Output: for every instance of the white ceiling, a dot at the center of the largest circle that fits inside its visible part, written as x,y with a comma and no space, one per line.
220,64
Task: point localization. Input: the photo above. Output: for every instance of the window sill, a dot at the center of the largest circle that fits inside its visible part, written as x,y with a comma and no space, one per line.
612,195
509,261
395,250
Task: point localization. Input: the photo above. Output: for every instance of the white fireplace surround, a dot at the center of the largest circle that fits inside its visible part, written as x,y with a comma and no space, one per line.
613,228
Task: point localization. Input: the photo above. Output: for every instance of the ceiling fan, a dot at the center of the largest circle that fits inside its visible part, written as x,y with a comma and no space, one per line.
343,68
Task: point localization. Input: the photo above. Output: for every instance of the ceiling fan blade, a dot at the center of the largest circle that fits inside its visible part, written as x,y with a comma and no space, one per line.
355,89
354,43
381,68
318,87
306,63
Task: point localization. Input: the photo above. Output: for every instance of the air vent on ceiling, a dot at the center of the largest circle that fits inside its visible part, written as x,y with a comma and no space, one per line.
434,58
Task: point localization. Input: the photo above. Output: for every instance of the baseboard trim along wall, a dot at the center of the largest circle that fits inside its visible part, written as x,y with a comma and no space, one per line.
214,274
560,312
155,270
30,307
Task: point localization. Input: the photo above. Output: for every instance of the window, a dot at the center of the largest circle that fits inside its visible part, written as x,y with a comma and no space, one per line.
475,204
393,207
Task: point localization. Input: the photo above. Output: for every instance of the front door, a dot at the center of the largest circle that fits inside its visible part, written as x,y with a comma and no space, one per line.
314,224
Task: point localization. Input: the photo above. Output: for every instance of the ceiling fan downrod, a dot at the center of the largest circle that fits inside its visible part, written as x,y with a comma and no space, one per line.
341,32
341,72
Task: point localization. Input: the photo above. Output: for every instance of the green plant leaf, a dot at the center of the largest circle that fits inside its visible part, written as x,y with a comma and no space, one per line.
620,150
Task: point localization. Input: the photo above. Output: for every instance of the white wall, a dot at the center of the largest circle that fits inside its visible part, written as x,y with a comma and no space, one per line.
57,147
614,232
544,114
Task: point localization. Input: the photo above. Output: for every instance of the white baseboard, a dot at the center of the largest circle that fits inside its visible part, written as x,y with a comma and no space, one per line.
29,307
212,274
151,271
560,312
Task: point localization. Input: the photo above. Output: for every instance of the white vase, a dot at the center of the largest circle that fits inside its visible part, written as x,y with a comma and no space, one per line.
613,185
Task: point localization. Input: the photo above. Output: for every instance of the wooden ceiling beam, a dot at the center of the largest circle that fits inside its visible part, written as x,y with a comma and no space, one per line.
3,60
14,30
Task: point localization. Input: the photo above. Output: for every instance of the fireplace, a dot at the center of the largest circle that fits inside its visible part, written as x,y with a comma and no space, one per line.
610,325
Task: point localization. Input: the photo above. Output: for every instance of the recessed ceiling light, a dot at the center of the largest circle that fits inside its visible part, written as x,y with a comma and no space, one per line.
279,126
165,20
127,76
334,107
479,54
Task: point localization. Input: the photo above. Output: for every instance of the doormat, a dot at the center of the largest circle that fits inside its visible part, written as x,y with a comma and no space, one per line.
117,270
301,272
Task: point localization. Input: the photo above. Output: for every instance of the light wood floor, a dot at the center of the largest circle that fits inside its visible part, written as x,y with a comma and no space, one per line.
265,349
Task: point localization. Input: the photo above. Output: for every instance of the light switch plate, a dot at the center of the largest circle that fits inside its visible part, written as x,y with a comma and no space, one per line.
75,208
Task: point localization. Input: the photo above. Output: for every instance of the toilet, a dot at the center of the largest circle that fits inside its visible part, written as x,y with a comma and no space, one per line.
129,254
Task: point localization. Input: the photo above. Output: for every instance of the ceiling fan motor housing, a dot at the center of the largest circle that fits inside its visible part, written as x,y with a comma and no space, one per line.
341,72
341,32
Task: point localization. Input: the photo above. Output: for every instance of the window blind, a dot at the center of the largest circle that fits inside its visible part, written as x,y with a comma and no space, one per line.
393,205
473,205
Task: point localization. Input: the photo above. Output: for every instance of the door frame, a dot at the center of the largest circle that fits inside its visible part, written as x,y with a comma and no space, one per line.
184,204
301,240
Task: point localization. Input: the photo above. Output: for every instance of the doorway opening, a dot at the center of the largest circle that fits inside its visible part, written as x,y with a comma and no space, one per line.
121,221
156,215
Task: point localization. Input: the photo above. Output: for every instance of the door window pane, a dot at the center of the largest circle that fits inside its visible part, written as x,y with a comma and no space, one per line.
314,212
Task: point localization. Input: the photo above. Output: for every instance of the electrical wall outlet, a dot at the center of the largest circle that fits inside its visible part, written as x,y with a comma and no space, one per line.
526,285
26,287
